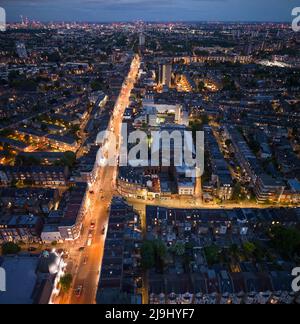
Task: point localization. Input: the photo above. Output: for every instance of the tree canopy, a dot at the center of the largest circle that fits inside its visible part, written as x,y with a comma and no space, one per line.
153,254
66,282
10,248
286,240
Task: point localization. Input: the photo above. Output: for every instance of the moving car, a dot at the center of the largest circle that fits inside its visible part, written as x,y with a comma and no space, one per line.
78,291
89,242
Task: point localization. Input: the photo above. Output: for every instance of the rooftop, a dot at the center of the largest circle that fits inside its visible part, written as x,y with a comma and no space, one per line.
20,280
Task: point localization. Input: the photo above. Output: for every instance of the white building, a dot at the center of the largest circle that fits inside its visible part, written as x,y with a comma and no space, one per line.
162,109
21,50
50,234
186,188
165,74
142,39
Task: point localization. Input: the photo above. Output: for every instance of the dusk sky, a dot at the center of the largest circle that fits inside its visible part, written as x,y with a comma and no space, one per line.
150,10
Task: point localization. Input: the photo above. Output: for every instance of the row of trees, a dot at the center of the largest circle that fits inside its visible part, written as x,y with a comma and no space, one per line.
155,253
68,159
248,251
197,124
283,241
286,241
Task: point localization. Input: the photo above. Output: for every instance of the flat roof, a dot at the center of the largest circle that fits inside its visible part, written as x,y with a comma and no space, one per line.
20,280
294,184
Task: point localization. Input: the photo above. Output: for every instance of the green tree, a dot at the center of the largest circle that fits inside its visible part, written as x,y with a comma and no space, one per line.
196,126
6,132
66,282
160,252
285,240
237,192
212,254
97,85
69,159
160,248
10,248
147,254
228,84
234,250
153,255
249,248
205,119
178,248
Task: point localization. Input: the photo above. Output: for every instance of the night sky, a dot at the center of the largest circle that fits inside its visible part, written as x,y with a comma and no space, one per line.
152,10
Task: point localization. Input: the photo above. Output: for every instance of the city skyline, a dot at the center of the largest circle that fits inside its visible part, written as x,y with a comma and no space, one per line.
153,163
130,10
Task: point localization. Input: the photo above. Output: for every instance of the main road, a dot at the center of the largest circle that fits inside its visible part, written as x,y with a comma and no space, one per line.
86,265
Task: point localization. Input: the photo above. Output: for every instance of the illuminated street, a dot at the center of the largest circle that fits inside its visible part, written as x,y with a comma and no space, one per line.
149,156
86,265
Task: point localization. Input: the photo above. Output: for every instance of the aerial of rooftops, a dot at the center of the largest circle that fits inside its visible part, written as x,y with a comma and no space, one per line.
231,236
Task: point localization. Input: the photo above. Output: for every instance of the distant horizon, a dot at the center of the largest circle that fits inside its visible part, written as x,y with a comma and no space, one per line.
150,10
154,22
